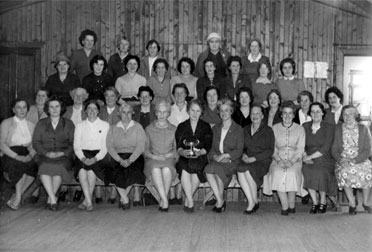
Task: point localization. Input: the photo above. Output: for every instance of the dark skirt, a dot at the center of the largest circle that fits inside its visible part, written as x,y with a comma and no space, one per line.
223,170
55,167
98,168
257,170
123,177
15,168
193,166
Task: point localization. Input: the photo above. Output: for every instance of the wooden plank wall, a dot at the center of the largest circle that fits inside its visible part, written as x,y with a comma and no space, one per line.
303,30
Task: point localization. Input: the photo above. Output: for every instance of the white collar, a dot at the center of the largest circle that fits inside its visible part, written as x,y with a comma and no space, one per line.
250,58
77,109
289,78
120,125
335,111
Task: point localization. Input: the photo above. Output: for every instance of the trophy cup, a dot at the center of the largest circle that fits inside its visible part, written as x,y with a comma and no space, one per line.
191,145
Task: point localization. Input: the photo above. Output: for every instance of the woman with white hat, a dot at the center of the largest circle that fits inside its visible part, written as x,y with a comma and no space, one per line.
214,52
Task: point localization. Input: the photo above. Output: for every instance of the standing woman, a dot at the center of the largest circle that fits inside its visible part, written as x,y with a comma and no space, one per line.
90,150
80,59
62,82
110,113
259,144
211,78
211,114
153,49
214,52
285,173
305,98
185,68
272,113
334,98
161,154
126,143
97,81
158,82
227,148
245,101
116,66
15,142
235,80
318,167
254,58
192,161
262,85
289,86
352,149
144,113
53,141
129,83
37,111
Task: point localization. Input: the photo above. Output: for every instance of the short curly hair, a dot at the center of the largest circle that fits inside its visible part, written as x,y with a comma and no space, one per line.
95,60
85,33
187,60
336,91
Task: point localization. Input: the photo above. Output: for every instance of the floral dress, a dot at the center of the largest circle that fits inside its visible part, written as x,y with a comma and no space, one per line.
350,174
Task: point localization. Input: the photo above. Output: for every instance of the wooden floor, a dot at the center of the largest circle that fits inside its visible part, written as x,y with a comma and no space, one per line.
32,228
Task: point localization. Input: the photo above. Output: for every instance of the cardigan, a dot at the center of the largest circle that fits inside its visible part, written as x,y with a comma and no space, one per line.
251,68
46,139
69,111
116,67
7,130
233,143
112,118
33,115
199,67
96,85
62,88
137,113
227,88
80,62
277,116
289,89
364,143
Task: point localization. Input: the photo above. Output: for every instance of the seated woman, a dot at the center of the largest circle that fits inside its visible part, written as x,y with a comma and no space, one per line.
210,111
318,164
125,144
194,140
351,149
259,144
227,148
305,98
90,150
161,153
244,98
285,174
15,142
129,83
53,141
110,112
272,113
144,113
159,82
185,68
98,80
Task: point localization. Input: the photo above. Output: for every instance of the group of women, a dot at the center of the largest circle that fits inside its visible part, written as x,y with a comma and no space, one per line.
228,118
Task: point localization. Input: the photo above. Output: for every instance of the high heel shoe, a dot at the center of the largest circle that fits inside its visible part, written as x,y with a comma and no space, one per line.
256,206
220,209
322,208
314,209
291,210
99,200
284,212
111,200
136,203
248,212
188,209
367,208
161,209
352,210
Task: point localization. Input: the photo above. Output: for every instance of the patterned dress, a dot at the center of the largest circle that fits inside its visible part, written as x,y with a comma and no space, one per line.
349,174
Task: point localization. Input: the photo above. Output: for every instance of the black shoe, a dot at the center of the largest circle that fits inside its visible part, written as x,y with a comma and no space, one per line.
248,212
173,201
188,209
367,208
284,212
305,200
179,201
291,210
120,205
34,199
61,196
211,202
99,200
163,209
77,196
53,207
256,206
126,206
322,208
352,210
136,203
111,200
314,209
220,209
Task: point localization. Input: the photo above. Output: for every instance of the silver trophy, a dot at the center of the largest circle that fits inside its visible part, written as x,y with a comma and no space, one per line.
191,144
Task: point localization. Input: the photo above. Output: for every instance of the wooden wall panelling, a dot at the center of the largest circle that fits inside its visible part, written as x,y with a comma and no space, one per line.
266,27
